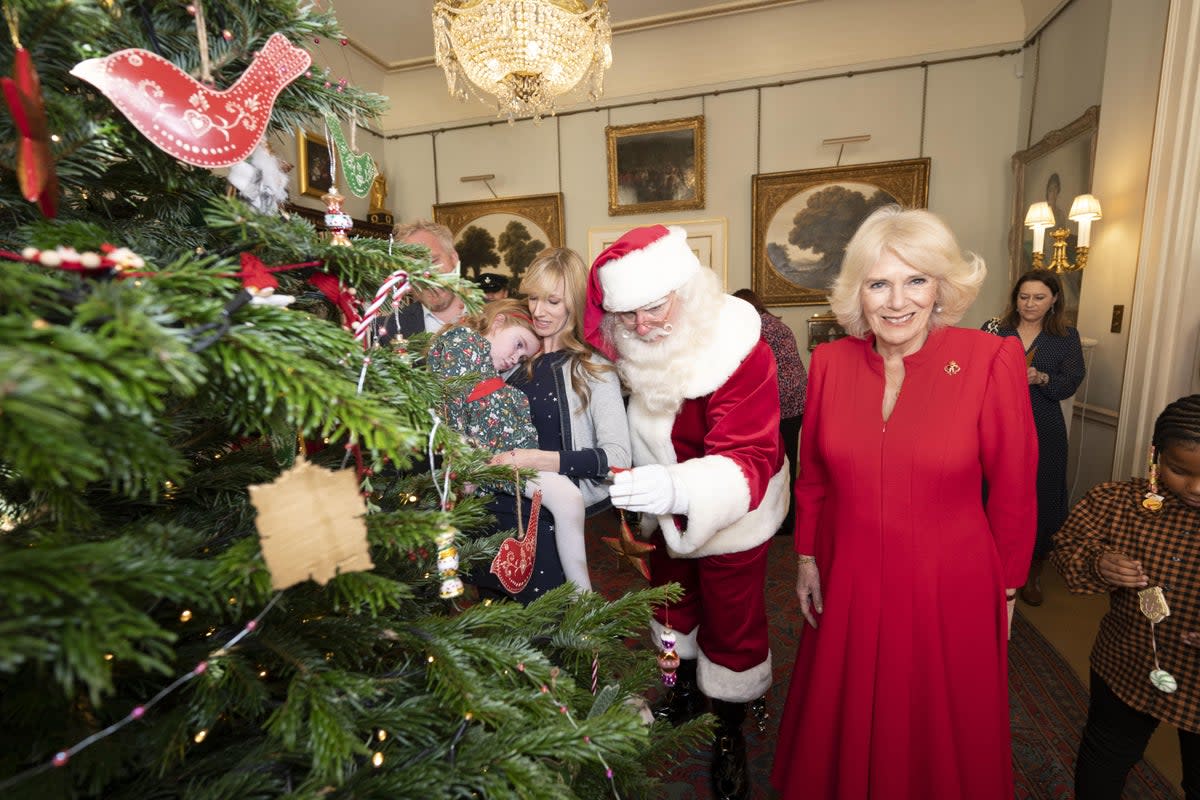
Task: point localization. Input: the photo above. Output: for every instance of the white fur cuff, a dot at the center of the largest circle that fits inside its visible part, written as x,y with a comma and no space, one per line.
722,683
718,496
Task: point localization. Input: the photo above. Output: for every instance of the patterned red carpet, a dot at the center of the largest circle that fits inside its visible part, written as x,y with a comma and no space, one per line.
1047,700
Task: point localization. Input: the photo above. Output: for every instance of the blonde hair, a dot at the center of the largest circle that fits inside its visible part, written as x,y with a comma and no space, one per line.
548,268
922,240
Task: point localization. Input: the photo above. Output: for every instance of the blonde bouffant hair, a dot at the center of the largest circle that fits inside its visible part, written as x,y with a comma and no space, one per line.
541,278
922,240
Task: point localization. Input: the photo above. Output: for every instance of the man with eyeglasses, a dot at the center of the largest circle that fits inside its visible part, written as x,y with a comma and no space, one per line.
434,307
710,477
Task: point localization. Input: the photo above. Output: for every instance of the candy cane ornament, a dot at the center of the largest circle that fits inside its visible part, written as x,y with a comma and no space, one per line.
397,286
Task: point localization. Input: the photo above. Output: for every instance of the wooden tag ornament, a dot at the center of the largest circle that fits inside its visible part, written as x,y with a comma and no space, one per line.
310,525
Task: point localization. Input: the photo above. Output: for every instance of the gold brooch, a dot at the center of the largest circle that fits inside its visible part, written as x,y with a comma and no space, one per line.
952,368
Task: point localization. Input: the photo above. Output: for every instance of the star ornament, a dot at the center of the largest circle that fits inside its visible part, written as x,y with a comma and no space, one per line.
633,550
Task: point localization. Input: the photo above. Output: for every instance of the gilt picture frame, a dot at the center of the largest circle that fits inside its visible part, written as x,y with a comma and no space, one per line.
503,235
802,221
1056,169
656,166
706,237
314,170
822,329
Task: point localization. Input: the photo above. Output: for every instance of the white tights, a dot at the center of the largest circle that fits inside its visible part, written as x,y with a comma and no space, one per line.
565,502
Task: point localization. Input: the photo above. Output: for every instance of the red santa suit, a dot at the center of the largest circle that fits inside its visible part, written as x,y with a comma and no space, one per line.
704,424
723,447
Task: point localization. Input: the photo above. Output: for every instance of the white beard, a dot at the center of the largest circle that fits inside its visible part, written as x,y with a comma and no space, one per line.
658,368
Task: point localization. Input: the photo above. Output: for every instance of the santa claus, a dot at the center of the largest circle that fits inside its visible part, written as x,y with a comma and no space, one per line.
710,478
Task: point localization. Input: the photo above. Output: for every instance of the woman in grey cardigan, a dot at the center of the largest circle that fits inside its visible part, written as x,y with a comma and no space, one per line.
575,399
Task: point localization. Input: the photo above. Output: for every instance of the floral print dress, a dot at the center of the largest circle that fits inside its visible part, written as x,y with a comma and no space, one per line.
491,415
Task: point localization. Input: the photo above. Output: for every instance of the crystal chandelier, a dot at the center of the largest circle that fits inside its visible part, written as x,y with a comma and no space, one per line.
522,54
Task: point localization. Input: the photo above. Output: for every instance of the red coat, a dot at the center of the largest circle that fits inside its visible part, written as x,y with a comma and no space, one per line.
902,692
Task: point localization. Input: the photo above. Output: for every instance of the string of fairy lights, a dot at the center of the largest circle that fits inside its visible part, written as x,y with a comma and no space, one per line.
451,587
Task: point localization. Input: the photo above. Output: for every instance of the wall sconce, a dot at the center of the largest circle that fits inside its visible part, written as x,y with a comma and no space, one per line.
1084,210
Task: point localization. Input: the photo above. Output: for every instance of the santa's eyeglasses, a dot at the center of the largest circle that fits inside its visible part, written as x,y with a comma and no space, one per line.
649,313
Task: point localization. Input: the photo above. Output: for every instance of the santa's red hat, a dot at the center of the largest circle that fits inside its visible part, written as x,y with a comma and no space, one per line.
644,265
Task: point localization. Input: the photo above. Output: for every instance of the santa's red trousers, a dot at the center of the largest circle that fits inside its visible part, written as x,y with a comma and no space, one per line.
724,597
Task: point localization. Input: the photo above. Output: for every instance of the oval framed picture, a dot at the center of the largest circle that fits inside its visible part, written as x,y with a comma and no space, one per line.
803,220
502,236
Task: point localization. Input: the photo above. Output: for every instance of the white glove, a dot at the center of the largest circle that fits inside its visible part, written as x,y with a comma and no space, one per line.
650,489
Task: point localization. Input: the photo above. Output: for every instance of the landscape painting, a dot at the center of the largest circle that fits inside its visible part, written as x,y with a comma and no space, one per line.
503,235
804,220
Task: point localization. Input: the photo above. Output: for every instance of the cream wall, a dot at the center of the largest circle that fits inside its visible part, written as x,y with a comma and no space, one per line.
1163,358
969,135
977,113
341,63
745,48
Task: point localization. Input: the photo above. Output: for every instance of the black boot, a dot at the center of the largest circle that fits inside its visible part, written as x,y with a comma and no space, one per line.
728,771
683,701
759,713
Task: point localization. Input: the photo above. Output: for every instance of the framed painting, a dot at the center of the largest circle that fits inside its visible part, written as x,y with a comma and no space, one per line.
314,169
706,236
803,220
503,235
1054,170
823,328
656,166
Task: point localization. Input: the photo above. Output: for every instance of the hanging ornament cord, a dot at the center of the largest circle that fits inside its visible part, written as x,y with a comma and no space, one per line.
518,504
10,17
1163,681
443,489
332,157
202,40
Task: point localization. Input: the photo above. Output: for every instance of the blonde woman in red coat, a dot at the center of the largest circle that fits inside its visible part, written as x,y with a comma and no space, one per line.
900,687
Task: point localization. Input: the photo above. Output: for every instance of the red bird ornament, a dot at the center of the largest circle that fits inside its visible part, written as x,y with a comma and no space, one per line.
513,564
35,164
183,117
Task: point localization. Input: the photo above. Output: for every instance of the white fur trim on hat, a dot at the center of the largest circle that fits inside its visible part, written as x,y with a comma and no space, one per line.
650,273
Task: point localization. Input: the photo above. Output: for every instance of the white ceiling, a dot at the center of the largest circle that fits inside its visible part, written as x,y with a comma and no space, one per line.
398,34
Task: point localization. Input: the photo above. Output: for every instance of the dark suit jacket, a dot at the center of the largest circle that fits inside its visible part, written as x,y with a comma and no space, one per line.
410,320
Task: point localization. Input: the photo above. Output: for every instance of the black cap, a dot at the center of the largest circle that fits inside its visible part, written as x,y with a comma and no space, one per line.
492,281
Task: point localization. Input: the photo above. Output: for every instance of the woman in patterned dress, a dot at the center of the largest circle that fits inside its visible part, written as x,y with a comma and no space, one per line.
1055,368
493,415
575,397
793,383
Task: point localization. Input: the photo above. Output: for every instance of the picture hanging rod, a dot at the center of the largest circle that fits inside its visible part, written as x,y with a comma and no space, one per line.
865,137
842,141
715,92
487,179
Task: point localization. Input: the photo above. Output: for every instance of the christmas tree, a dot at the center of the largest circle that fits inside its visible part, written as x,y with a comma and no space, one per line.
149,378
